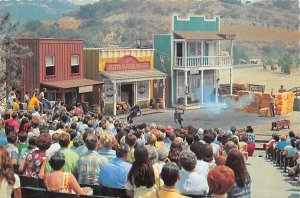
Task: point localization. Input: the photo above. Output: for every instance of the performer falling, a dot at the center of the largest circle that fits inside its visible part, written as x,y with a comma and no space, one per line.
177,116
133,113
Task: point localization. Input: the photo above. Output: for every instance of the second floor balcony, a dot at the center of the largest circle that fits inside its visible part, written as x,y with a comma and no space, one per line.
202,61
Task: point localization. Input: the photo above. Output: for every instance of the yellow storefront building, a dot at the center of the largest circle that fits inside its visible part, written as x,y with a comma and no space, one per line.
128,74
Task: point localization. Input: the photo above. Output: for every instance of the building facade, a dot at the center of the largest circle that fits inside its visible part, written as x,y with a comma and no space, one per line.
191,56
56,64
128,75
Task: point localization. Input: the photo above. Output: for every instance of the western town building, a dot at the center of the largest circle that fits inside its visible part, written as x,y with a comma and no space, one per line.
128,74
57,65
191,56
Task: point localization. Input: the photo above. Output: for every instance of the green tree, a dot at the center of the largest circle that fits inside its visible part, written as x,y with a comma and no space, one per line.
286,63
11,53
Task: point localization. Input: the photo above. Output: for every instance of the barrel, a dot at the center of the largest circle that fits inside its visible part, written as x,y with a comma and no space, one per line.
297,104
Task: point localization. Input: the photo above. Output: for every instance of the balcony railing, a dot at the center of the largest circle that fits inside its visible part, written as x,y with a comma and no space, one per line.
202,61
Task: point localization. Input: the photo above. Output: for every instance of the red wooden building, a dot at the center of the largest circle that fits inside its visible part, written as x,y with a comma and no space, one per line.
56,64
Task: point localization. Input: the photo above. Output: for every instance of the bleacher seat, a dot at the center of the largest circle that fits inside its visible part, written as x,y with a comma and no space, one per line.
29,181
113,192
31,192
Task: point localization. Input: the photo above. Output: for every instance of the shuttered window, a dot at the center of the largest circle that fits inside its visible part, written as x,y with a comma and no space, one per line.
50,67
74,64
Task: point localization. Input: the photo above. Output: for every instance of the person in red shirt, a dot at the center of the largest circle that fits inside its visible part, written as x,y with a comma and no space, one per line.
13,121
78,110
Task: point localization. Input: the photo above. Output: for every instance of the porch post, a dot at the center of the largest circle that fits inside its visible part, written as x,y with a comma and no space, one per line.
115,99
185,54
163,93
231,52
186,86
202,91
135,92
230,81
202,52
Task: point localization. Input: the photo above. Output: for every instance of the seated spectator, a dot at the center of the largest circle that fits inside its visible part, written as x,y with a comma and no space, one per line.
243,182
290,150
282,143
10,182
170,175
220,181
71,157
106,143
131,141
141,178
34,161
243,147
60,181
174,153
295,169
269,146
151,140
290,136
201,167
82,150
140,142
114,173
191,182
152,156
209,156
13,152
22,138
189,140
230,145
89,165
14,122
31,147
162,152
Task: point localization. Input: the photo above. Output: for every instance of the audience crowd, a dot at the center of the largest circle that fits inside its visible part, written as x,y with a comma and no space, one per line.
73,149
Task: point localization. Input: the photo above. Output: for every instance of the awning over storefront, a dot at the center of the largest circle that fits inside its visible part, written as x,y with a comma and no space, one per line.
133,75
200,35
72,83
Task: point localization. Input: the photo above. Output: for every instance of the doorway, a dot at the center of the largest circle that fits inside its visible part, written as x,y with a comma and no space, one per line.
127,93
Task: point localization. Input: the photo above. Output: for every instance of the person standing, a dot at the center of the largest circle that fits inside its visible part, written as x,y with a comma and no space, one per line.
177,116
133,113
26,97
272,105
45,102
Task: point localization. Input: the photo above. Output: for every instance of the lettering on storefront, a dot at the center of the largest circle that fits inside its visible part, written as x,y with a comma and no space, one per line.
127,63
85,89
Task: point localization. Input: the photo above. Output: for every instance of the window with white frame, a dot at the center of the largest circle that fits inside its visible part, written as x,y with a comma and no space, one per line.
74,64
143,90
50,67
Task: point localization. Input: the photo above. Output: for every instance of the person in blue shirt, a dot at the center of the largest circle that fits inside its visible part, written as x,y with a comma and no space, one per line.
282,143
114,173
3,139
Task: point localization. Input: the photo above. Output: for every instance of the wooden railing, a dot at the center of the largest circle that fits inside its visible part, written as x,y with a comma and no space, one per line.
202,61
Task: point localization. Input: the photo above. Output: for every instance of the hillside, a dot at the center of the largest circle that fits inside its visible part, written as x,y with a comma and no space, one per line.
260,27
25,10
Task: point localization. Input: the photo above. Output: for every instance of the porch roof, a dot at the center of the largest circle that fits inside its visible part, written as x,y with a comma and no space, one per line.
65,84
200,35
133,75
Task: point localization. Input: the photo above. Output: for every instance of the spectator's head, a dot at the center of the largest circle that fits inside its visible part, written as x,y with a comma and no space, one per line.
43,141
249,129
235,139
209,153
199,149
162,152
276,137
12,137
189,138
91,142
170,174
57,161
64,139
55,138
122,151
86,133
233,129
293,142
130,139
22,136
229,146
188,160
32,142
151,139
4,157
14,115
220,180
208,138
107,140
152,156
292,134
282,138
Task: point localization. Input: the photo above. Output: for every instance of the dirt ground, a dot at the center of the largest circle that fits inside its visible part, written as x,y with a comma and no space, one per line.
256,75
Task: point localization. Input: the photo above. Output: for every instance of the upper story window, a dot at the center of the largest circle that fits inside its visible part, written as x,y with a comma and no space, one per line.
74,64
50,67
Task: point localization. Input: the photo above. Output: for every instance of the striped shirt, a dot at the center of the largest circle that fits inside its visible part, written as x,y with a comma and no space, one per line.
89,167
